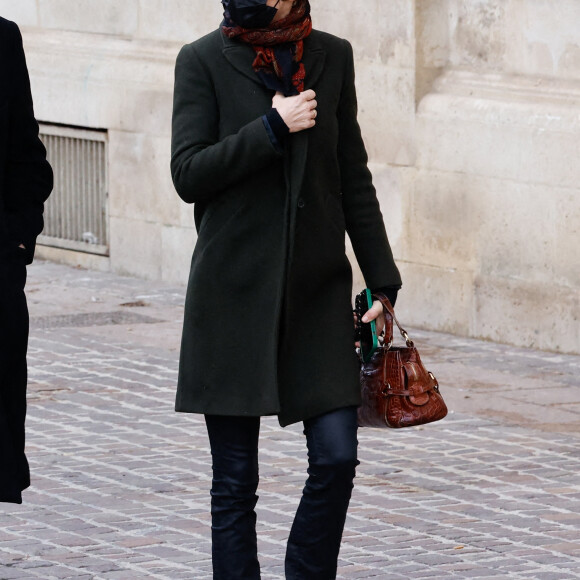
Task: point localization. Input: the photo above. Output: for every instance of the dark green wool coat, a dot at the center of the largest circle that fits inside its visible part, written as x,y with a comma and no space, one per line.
268,325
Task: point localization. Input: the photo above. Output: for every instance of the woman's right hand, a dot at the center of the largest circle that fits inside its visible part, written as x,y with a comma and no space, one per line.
298,112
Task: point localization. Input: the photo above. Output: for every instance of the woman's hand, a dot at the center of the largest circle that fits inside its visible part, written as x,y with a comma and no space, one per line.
376,314
298,112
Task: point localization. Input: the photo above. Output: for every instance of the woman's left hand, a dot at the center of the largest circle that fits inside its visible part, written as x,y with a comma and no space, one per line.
375,313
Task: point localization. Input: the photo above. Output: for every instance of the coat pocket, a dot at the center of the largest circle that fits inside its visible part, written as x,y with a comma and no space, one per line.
218,215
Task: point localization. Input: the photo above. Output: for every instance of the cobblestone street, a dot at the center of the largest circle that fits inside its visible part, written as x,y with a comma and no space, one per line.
120,483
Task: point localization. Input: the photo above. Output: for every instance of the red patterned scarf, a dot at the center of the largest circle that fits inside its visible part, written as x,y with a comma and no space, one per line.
279,48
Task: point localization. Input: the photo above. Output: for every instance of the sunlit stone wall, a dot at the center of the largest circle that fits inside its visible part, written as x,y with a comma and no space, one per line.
471,115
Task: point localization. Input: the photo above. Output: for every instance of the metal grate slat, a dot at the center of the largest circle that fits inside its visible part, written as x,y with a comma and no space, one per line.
76,213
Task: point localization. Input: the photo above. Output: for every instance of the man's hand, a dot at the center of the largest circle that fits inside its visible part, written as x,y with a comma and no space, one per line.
298,112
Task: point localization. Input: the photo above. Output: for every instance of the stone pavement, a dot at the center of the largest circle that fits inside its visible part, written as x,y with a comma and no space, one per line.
120,481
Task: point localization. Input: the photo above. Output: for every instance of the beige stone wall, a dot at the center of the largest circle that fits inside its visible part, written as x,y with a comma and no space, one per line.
471,114
496,196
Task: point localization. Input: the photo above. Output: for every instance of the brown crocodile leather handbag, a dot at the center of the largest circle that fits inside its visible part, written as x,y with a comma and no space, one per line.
397,391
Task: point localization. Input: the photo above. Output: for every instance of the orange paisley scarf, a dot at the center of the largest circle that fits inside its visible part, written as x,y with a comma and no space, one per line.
279,48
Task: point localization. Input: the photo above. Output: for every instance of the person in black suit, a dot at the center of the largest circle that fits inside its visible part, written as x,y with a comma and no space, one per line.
25,184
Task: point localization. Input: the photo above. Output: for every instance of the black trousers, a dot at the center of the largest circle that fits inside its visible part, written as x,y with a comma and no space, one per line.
314,541
14,471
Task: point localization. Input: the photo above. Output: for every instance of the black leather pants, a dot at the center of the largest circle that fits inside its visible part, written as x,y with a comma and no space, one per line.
314,541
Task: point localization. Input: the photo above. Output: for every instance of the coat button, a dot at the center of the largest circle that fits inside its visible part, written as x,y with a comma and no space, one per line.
301,203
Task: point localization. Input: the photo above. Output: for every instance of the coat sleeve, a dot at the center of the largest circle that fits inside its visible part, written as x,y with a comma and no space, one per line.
202,165
29,177
364,221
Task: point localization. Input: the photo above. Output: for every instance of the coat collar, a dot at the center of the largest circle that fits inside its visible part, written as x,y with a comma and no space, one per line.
241,56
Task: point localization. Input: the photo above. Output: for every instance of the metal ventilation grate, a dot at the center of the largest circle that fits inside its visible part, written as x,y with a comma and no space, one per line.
76,212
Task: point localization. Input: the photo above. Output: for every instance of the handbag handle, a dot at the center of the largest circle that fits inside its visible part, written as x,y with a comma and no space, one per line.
389,313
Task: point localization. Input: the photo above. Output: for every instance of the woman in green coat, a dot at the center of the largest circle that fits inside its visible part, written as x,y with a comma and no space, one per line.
267,146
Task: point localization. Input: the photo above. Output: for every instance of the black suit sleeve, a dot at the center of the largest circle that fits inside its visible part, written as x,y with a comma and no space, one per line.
28,175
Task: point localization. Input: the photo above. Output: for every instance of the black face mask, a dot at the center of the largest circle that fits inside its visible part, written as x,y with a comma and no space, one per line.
249,13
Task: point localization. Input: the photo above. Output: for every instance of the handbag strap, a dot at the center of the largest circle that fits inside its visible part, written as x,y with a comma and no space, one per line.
389,313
